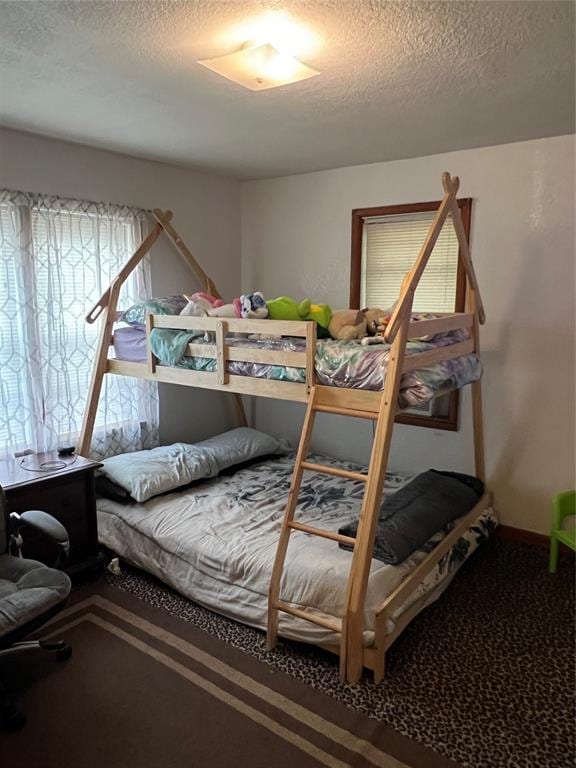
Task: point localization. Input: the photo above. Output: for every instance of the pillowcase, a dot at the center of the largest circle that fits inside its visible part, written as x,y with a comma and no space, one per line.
165,305
144,474
147,473
239,446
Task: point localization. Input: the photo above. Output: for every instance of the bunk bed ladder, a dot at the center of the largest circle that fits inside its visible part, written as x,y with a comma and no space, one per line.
351,625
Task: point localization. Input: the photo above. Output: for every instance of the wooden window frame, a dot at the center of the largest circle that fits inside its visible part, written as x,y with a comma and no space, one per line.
451,421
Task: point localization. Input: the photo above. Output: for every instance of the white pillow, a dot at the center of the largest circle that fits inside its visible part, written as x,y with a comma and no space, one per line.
240,445
147,473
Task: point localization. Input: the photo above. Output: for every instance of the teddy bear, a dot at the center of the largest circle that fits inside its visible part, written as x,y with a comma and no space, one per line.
365,324
376,322
347,324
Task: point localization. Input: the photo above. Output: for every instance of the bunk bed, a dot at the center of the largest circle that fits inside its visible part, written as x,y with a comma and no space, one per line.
222,362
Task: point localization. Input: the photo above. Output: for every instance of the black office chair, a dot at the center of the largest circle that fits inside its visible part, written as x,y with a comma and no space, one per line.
30,594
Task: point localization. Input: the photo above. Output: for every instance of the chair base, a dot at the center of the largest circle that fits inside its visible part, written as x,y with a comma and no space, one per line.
11,718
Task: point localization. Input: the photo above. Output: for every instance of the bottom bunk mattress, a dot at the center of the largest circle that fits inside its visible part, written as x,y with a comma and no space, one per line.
215,543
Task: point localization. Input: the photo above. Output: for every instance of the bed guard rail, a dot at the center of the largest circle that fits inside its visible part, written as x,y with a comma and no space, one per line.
222,351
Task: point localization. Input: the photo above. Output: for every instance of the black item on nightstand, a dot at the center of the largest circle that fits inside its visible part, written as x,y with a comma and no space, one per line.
63,487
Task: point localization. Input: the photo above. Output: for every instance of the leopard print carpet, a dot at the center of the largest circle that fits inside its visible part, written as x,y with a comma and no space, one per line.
484,676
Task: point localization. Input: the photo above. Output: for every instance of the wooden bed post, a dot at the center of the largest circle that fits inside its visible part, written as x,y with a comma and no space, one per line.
475,306
99,369
477,411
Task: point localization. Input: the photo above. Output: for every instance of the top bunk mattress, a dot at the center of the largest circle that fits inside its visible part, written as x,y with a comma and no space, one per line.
347,364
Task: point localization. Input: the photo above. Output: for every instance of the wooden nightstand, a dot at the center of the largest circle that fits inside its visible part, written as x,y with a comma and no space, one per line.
68,494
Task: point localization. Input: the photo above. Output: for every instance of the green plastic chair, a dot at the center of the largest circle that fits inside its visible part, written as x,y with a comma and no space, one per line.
563,506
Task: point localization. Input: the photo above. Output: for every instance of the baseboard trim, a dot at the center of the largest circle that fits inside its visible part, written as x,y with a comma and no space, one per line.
522,536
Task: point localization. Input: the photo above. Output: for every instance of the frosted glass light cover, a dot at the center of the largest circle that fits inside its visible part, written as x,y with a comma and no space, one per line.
260,67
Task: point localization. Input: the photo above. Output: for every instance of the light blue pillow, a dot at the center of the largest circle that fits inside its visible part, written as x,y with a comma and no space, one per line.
147,473
165,305
240,445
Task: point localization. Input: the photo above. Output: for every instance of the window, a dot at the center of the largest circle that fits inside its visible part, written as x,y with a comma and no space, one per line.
56,258
385,244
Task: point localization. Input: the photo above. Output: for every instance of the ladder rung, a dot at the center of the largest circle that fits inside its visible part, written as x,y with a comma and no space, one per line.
321,532
346,411
328,622
326,470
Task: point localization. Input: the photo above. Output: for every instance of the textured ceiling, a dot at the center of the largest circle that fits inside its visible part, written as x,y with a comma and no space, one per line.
399,79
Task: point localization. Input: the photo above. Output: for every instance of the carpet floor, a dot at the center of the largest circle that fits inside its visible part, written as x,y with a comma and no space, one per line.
483,677
146,690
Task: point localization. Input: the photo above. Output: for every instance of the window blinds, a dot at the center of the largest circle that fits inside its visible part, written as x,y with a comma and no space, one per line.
390,247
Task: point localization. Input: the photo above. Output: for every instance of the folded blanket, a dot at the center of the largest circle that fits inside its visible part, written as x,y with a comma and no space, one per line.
427,504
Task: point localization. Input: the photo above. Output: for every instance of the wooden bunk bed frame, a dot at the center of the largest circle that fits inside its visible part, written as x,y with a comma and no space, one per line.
380,407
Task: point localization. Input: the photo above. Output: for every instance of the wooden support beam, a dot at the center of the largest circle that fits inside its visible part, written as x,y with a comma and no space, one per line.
282,547
437,355
130,265
298,328
185,252
477,410
100,367
323,621
413,277
324,534
466,259
419,328
150,356
326,469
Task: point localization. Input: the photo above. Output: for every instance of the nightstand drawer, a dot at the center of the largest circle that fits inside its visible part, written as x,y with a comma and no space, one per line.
66,502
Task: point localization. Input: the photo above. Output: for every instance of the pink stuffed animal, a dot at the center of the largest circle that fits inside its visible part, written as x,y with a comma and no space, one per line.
201,304
212,300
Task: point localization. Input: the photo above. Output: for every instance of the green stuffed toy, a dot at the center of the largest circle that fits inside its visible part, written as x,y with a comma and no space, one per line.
285,308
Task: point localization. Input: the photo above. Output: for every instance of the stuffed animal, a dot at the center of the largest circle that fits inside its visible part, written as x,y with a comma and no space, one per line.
376,322
200,304
347,324
202,296
252,305
285,308
321,313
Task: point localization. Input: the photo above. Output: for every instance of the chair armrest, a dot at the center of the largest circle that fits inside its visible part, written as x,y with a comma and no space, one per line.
46,525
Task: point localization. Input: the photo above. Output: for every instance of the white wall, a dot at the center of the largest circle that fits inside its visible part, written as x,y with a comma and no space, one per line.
296,241
206,213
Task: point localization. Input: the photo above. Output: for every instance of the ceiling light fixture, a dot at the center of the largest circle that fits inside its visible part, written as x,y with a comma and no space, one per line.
268,60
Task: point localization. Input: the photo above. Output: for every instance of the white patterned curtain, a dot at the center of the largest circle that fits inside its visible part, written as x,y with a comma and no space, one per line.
56,258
